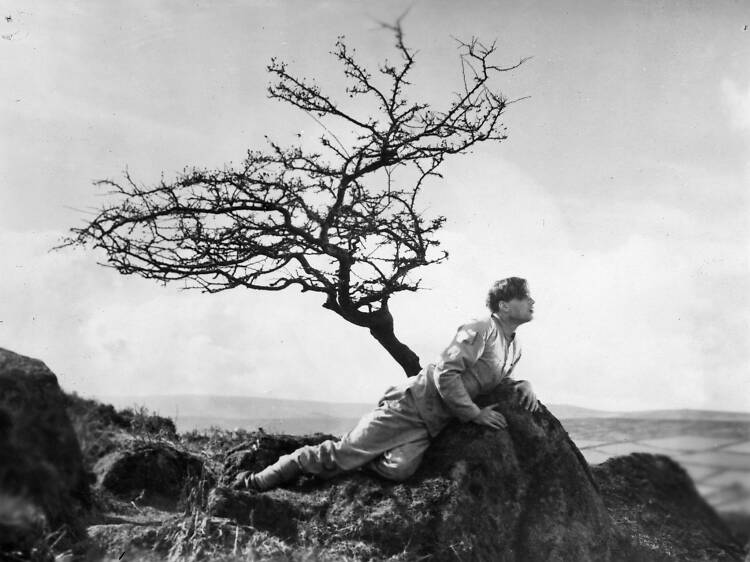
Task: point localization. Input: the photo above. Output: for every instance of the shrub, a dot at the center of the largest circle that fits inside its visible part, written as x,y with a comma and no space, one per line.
142,422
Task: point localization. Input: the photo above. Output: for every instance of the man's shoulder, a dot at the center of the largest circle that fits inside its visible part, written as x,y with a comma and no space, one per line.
488,327
480,325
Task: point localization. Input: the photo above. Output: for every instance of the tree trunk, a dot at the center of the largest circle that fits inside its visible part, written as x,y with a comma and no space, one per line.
382,331
380,324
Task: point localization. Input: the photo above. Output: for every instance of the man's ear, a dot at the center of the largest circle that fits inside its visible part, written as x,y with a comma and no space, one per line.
504,306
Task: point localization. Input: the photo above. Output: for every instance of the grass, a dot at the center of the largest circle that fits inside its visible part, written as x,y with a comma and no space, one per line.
101,429
191,534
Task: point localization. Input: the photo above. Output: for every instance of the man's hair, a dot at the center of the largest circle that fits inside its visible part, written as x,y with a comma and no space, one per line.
506,290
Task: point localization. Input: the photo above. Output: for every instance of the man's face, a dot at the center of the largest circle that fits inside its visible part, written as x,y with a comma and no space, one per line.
521,310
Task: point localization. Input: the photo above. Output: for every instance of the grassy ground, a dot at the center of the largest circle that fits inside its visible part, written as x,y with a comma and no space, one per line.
122,530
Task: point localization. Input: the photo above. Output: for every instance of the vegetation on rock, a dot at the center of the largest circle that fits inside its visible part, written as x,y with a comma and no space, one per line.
524,494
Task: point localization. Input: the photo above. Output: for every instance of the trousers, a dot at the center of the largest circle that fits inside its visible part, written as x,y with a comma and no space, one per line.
391,440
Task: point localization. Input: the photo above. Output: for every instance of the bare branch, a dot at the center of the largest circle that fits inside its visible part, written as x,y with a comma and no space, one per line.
347,225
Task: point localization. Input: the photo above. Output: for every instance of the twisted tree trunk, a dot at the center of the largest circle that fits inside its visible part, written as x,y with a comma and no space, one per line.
380,324
382,331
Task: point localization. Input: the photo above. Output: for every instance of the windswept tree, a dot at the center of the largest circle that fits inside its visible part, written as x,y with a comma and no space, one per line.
342,221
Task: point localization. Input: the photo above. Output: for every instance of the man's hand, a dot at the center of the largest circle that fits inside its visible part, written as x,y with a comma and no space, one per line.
491,418
526,396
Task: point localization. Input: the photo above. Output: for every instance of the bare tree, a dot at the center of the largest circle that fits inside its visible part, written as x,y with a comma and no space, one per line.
343,222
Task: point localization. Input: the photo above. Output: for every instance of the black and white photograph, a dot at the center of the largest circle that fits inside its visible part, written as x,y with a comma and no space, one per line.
403,280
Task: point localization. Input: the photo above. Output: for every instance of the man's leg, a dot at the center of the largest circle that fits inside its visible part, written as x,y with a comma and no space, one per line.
400,462
393,430
283,470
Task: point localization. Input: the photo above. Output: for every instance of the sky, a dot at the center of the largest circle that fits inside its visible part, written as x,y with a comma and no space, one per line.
621,194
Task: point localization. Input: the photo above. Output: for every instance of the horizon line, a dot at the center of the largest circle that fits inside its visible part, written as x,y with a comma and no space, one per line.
366,403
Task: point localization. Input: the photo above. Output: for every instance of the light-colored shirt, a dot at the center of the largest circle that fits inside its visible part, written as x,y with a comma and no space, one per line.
478,359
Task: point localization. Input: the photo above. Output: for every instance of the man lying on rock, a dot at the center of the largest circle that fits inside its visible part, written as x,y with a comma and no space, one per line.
392,439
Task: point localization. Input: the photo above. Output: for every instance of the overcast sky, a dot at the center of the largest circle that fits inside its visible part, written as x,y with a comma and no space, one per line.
621,194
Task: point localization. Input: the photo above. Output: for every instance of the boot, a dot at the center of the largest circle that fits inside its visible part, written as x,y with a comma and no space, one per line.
282,471
245,481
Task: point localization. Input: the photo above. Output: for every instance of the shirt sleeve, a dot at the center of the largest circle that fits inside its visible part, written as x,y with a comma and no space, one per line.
463,352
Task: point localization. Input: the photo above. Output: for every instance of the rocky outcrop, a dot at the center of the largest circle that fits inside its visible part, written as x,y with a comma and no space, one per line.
153,473
521,494
654,503
525,494
481,494
40,464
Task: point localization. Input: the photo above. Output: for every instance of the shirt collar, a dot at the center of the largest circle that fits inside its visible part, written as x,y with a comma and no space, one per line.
496,319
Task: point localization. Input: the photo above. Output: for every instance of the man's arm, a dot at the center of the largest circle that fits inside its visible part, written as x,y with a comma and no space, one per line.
526,396
463,352
490,417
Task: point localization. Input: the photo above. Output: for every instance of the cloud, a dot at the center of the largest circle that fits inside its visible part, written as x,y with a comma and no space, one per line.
658,320
627,325
738,102
107,334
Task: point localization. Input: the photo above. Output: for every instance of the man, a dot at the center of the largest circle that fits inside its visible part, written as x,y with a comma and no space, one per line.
392,439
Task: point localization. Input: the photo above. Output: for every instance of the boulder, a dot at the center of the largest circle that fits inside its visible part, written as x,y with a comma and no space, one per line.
23,527
153,473
41,460
524,494
654,503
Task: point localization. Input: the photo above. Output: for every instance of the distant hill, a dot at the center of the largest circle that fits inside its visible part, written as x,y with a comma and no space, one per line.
686,414
566,412
307,416
249,412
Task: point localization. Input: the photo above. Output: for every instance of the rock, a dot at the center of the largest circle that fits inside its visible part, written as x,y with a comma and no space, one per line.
279,513
153,473
23,527
654,503
41,459
739,525
263,449
519,495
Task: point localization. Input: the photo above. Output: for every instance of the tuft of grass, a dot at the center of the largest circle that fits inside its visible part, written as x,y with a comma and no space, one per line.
101,429
98,427
145,423
216,440
202,538
214,443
